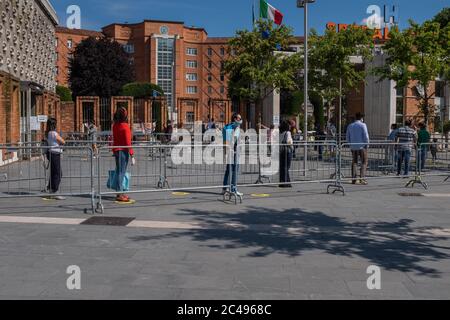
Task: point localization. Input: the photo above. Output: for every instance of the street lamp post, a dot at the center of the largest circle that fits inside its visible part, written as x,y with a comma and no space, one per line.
304,4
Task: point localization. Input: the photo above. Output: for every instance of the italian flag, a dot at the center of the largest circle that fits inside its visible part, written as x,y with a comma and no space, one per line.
269,12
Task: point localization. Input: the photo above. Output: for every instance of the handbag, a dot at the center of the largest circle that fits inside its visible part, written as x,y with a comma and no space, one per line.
285,148
112,181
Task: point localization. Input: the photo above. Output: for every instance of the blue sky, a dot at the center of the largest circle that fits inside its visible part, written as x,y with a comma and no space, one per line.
223,18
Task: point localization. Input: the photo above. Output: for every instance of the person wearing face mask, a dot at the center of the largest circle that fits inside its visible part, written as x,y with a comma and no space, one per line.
231,135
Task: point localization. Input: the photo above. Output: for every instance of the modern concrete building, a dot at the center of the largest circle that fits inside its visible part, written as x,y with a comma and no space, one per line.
27,64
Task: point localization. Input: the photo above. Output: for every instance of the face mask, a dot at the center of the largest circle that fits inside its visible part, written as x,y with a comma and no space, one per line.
238,122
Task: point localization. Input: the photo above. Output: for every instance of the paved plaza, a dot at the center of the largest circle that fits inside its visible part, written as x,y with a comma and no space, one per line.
278,244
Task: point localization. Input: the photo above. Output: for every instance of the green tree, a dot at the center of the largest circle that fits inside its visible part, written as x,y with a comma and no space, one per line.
141,89
99,67
317,101
419,53
443,18
64,93
254,69
332,58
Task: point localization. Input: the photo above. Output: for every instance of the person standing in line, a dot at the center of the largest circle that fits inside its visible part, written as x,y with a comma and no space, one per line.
54,142
423,144
434,150
358,138
168,131
393,152
286,153
406,136
231,137
122,150
294,135
320,138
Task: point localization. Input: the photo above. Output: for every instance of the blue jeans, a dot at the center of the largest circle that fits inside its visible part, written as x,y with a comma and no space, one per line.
423,156
122,158
233,169
403,156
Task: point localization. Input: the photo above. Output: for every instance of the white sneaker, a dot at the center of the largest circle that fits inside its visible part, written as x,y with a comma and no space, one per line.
59,198
239,194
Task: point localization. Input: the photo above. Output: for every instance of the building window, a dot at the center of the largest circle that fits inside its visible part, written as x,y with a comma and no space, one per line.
222,89
191,77
69,56
190,117
209,64
222,51
191,89
57,70
210,89
191,64
209,76
440,85
191,51
69,43
165,61
222,65
129,48
222,77
209,51
400,107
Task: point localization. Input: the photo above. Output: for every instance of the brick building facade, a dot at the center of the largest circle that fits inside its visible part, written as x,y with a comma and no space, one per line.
66,41
188,65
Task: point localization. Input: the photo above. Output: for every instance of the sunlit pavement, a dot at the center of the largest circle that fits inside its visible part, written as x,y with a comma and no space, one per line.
278,244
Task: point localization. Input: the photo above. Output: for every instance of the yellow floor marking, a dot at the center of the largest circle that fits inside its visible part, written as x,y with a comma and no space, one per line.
261,195
128,202
180,194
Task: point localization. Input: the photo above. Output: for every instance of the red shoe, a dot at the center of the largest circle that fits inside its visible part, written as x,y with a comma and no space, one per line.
122,198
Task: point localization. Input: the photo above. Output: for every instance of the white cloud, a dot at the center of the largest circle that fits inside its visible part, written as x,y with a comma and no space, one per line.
375,21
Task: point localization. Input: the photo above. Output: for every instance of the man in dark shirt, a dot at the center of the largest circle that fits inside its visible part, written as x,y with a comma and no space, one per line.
423,144
407,139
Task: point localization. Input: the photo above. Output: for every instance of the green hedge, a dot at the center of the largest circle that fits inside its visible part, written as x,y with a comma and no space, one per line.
447,127
64,93
141,89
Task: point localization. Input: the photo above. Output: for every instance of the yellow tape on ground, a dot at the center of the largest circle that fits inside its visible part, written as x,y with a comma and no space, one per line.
128,202
261,195
180,194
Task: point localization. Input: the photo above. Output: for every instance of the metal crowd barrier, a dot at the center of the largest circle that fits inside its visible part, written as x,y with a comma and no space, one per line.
155,170
28,175
85,173
164,172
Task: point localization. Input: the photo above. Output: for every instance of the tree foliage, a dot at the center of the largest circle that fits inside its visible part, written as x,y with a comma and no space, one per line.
330,60
419,53
141,89
99,67
255,69
64,93
443,18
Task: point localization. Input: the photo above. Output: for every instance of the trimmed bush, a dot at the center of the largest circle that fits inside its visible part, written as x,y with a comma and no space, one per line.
141,89
64,93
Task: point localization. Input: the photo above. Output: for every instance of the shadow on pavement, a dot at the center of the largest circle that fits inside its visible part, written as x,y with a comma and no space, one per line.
391,245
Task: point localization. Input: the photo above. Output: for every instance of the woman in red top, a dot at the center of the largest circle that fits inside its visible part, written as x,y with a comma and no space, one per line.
122,150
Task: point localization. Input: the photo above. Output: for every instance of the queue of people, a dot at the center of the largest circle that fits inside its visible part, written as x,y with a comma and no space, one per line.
406,139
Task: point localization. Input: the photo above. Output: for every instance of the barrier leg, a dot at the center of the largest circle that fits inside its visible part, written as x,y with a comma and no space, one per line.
337,186
417,179
163,182
99,207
